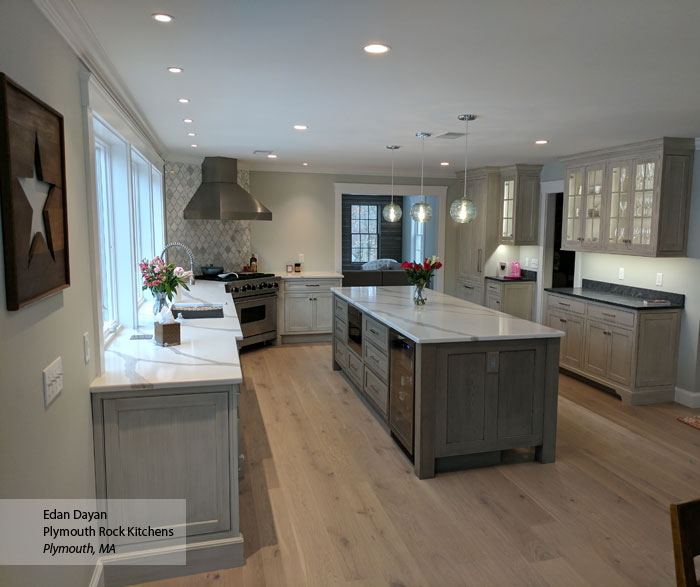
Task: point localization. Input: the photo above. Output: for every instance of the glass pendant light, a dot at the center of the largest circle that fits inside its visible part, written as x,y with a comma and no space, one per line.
392,212
422,211
463,210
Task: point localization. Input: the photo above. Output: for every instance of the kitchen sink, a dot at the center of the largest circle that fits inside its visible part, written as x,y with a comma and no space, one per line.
198,310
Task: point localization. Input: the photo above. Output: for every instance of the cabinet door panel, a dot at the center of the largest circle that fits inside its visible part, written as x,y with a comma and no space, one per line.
466,398
172,447
507,213
593,212
621,355
298,313
470,236
558,322
573,208
596,355
618,206
493,301
573,349
644,205
527,210
323,306
519,397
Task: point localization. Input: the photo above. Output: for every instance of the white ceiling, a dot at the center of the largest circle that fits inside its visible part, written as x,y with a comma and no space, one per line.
584,74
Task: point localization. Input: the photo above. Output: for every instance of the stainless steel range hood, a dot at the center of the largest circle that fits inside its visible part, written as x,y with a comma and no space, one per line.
220,197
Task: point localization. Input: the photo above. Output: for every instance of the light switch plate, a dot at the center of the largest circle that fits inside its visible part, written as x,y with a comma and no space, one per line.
659,279
86,347
301,257
621,273
53,381
527,261
534,263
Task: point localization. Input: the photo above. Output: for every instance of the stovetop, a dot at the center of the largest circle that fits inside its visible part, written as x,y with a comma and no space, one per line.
233,276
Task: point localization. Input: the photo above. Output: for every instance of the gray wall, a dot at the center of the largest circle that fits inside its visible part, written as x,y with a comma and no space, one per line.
48,453
219,242
680,275
303,217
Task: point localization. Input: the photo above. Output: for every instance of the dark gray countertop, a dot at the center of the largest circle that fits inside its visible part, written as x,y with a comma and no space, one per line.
629,297
504,280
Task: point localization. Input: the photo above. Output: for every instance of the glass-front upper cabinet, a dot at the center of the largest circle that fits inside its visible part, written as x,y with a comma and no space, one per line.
593,207
620,178
642,209
573,207
508,212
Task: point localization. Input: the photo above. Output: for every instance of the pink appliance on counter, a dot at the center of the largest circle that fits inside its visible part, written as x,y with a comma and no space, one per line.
513,270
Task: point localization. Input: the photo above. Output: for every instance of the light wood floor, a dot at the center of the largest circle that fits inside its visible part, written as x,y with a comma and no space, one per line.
328,499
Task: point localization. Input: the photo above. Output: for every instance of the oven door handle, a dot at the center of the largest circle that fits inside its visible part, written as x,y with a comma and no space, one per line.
255,298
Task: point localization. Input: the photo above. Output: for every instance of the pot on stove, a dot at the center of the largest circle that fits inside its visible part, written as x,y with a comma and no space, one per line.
211,269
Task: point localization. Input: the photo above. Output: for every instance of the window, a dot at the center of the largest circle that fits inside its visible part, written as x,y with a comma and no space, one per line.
418,237
364,232
130,223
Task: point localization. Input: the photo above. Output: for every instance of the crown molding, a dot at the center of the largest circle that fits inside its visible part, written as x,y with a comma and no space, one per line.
65,17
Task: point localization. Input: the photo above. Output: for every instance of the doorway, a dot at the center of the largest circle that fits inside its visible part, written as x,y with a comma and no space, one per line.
563,262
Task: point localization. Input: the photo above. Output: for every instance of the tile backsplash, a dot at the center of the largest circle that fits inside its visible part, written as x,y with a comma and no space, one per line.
220,242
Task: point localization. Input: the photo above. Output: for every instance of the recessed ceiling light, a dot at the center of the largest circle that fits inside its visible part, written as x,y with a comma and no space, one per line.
193,145
175,69
444,163
305,164
187,120
271,156
191,134
377,48
541,142
301,127
161,17
183,100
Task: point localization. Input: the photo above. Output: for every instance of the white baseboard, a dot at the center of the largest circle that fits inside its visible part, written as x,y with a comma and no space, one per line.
687,398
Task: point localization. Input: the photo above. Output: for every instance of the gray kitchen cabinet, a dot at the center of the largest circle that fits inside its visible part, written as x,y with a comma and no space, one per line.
512,297
179,443
470,290
642,208
634,352
519,205
306,308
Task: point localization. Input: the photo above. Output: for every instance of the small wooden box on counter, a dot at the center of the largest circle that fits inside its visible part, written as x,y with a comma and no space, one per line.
166,334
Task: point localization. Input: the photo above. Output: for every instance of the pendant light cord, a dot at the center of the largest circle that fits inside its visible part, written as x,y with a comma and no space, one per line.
392,173
466,152
422,162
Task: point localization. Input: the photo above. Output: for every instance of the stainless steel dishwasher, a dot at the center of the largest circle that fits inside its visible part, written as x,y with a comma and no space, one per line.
401,395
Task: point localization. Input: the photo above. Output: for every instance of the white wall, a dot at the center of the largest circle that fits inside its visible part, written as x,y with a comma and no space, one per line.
48,453
303,216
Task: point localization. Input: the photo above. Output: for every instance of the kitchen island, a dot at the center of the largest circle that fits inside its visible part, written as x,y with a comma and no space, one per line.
165,426
482,382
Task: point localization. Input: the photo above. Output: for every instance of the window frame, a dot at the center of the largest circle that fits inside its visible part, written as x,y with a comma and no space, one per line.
360,233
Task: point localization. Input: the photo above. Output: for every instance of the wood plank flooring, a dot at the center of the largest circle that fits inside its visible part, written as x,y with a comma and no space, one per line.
329,499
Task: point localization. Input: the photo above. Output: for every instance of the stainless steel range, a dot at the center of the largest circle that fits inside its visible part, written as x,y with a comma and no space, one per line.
255,297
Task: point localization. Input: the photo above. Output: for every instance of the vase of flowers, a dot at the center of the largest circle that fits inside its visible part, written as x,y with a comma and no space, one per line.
163,280
419,275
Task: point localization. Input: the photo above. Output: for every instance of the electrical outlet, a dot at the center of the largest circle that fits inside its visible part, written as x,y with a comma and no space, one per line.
301,257
534,263
53,381
86,347
621,273
659,279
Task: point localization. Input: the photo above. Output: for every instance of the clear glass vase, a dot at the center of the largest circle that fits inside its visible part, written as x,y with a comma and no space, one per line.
160,301
419,297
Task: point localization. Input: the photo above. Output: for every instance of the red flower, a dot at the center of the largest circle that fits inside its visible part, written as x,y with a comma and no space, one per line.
405,265
426,265
438,265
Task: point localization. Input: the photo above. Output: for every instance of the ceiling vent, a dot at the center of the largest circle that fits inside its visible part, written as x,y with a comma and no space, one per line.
449,135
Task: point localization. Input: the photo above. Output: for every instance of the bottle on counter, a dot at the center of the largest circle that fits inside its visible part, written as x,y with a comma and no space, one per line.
253,265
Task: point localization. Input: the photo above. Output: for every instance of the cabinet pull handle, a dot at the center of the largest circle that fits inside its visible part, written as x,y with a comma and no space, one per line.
373,331
478,261
609,315
562,320
313,285
563,304
469,286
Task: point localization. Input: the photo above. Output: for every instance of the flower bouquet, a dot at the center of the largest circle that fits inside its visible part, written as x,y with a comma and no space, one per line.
163,280
419,275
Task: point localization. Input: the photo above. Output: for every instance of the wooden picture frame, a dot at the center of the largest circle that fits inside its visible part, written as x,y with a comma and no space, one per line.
32,196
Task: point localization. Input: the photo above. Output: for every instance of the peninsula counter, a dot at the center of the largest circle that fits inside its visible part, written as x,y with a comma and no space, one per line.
483,381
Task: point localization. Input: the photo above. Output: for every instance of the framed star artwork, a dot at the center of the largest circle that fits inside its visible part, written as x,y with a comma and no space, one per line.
32,197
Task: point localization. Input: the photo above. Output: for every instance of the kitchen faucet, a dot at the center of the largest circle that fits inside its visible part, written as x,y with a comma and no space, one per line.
189,254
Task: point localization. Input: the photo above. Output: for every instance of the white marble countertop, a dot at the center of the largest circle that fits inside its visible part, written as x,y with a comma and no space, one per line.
443,319
311,274
206,356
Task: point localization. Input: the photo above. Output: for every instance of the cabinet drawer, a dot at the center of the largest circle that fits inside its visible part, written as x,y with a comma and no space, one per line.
376,332
340,330
310,284
493,287
566,304
376,390
340,307
355,369
341,354
611,314
376,360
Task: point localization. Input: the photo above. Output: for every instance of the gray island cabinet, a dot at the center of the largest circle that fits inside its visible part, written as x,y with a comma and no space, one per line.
483,382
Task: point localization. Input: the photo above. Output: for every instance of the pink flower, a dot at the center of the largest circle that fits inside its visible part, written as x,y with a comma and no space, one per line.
179,271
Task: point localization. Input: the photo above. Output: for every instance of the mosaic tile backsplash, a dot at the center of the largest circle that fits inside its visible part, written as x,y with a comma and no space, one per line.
219,242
